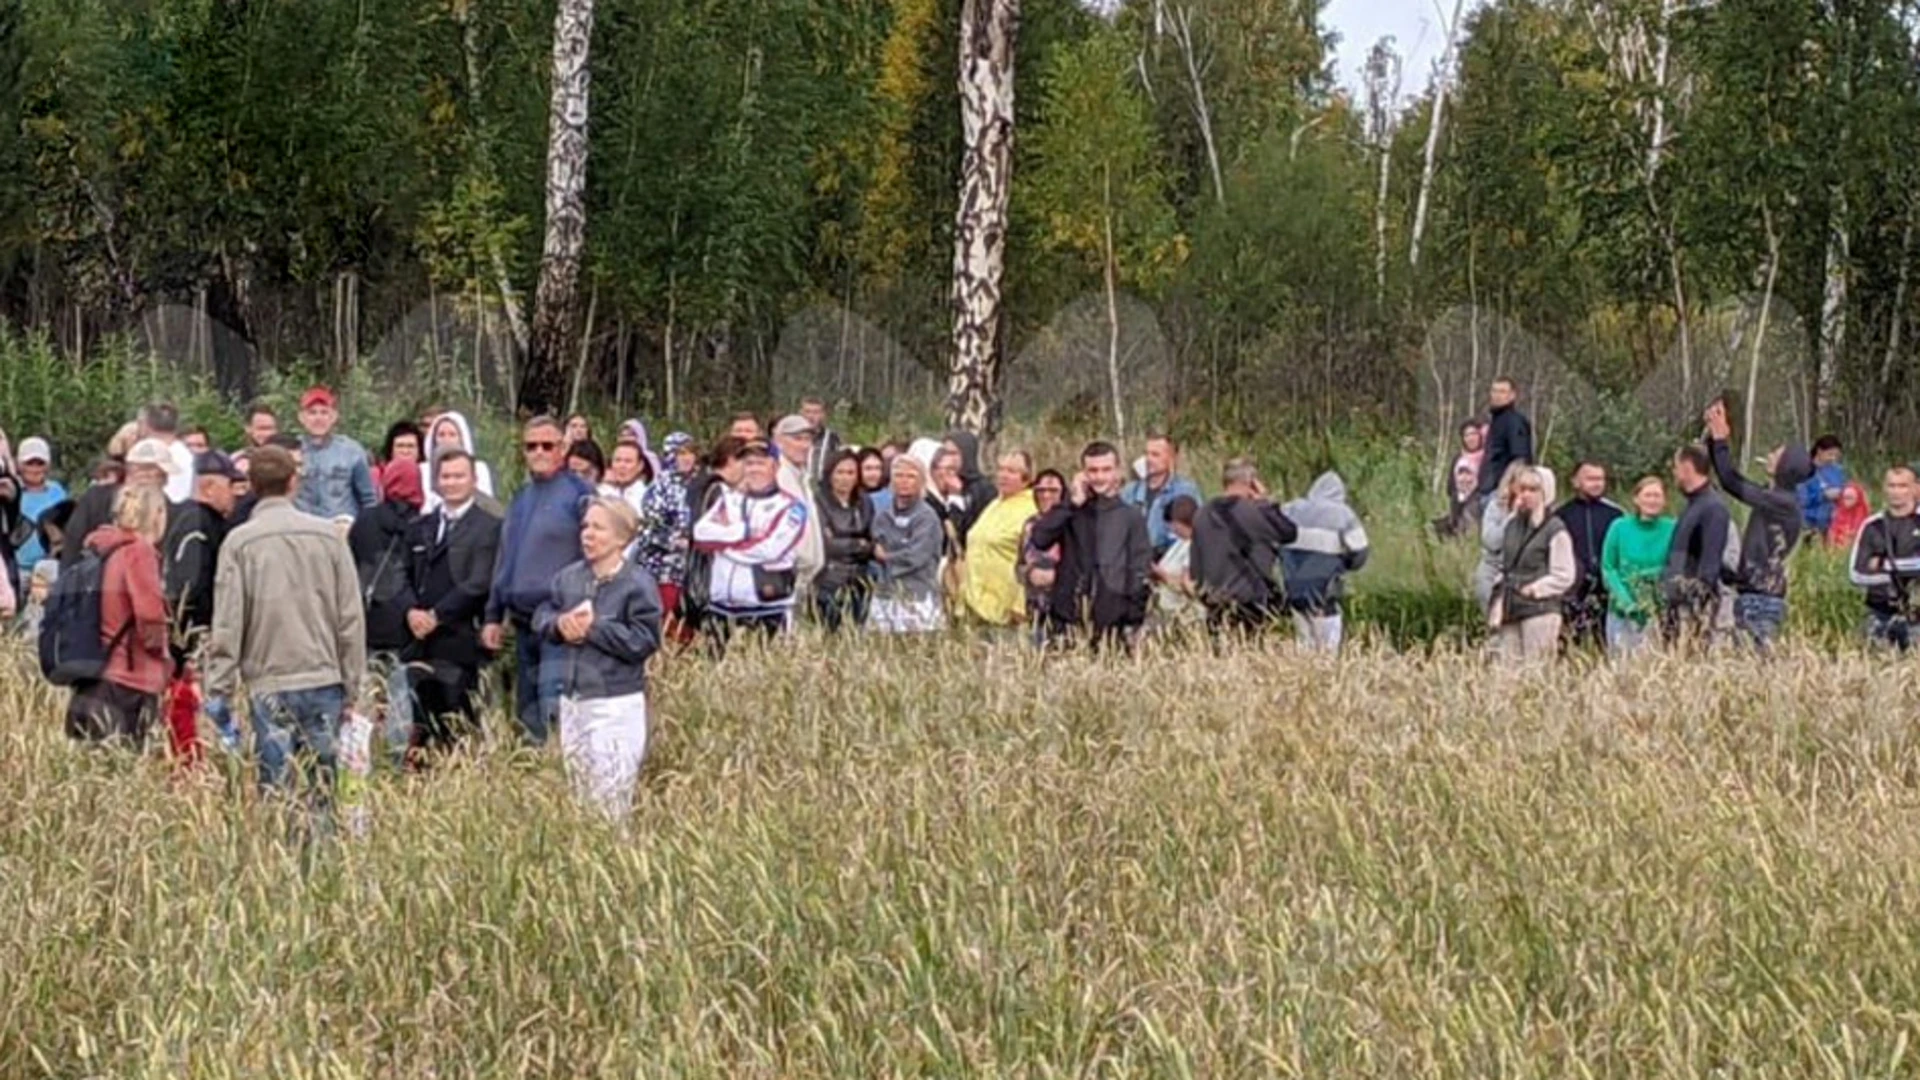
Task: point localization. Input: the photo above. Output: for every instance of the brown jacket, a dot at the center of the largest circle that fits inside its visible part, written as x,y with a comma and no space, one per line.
287,610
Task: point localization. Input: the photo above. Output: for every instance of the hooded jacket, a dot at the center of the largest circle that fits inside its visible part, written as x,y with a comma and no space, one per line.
1850,514
1509,439
482,475
382,555
1773,529
1105,557
1332,544
1236,545
975,486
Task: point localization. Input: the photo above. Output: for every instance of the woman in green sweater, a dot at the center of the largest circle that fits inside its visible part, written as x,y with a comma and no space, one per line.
1632,560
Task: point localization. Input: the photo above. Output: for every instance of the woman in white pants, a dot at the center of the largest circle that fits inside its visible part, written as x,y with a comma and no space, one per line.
598,629
1537,569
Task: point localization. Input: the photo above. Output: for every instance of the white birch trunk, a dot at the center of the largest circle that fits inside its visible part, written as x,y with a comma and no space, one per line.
1183,28
556,302
988,30
1442,81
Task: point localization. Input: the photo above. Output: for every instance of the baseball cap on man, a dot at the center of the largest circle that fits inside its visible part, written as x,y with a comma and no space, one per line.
317,395
755,448
215,463
793,426
155,453
36,450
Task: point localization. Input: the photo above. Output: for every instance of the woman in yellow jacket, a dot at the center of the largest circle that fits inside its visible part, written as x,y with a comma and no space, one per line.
992,590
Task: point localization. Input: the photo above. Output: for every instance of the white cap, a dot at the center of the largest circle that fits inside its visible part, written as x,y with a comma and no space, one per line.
36,449
154,452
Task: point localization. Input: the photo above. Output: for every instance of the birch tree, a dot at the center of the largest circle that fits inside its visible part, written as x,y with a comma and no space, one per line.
1442,80
989,30
556,303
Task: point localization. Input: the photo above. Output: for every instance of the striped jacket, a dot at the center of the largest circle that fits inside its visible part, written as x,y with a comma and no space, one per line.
1332,544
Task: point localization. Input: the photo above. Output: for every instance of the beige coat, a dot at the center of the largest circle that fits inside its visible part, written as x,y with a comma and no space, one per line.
287,611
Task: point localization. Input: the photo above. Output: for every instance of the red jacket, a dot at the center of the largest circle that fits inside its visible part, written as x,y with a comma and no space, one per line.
133,607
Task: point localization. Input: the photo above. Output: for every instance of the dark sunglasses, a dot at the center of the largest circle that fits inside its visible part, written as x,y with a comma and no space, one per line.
542,444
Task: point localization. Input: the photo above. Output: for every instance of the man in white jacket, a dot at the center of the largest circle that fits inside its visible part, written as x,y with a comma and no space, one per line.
754,535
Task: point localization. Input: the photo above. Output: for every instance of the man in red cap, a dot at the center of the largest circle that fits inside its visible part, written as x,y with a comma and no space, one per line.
335,481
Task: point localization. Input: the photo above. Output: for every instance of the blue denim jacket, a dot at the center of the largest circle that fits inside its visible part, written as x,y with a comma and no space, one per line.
334,478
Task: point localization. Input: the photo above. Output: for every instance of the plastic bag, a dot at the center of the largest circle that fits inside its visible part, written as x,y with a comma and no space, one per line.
356,766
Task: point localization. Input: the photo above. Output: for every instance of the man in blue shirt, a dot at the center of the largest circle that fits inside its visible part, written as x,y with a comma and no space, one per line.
39,493
541,537
1818,495
335,481
1162,485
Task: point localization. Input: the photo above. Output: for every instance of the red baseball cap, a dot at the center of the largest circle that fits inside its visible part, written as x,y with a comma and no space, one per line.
317,395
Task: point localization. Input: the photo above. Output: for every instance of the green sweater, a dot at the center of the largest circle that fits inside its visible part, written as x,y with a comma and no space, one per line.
1632,560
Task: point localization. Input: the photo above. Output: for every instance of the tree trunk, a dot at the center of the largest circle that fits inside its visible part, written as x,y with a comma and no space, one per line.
1833,308
1443,77
988,29
1202,115
1110,263
556,303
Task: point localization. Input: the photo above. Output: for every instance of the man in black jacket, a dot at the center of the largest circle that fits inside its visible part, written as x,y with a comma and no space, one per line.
453,550
1588,516
191,549
1886,562
1236,543
1509,435
1105,557
1697,557
1773,529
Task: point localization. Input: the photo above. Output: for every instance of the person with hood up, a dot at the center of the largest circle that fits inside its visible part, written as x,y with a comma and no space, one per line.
1850,514
1331,544
452,429
1509,438
976,491
1632,558
1588,514
1537,570
1773,529
1100,585
123,704
1237,541
1886,562
992,589
635,431
666,523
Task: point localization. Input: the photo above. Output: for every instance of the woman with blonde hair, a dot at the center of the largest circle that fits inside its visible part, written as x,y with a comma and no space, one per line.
992,589
121,705
1537,570
1493,532
598,629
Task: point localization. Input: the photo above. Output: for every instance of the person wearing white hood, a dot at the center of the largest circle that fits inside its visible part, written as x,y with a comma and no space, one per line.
450,429
1329,544
1537,570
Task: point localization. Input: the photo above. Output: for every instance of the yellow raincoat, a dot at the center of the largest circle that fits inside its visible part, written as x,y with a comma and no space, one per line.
993,591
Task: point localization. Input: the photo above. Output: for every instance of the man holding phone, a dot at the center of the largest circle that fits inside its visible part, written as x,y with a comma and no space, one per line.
1105,556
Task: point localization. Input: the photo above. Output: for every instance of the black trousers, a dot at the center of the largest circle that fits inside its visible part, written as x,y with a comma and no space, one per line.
103,712
444,709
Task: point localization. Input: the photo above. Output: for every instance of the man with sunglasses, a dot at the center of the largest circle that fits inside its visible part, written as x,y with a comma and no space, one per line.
540,538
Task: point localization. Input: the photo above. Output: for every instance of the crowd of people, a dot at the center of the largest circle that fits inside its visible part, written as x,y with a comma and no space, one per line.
316,578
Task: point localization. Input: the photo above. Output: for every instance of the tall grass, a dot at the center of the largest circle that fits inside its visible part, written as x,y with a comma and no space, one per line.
952,860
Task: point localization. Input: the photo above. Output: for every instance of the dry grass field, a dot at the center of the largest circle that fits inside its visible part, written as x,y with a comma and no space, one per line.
955,860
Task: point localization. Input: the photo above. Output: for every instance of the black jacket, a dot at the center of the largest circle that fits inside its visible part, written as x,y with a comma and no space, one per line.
1695,561
1587,522
378,540
188,557
1886,563
93,509
450,576
1509,439
1104,560
846,535
1236,542
612,661
1773,529
975,486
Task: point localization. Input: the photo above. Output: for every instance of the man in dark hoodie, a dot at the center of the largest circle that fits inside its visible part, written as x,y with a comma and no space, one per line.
1773,528
975,487
1588,516
1509,435
1695,561
1236,543
1101,582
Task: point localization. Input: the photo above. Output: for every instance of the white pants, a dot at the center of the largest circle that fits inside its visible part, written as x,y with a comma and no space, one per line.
603,741
1529,640
1319,633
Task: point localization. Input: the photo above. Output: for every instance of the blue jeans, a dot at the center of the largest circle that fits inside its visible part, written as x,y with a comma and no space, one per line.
1624,636
536,686
1760,618
1890,630
300,728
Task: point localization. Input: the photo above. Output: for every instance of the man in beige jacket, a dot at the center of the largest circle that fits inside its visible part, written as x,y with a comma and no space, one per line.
289,625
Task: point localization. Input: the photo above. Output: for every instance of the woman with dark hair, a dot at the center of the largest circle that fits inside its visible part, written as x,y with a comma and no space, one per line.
846,532
722,474
578,430
1038,567
873,471
587,462
404,442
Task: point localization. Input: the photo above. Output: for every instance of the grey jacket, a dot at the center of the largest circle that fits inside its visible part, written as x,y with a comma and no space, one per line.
612,661
913,539
286,612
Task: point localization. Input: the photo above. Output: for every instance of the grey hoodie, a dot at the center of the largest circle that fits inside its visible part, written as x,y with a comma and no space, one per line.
1773,529
1332,544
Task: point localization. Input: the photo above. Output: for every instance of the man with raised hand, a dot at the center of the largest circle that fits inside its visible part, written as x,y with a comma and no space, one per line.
541,537
1773,529
1162,484
1237,539
1886,562
1101,583
1509,435
335,481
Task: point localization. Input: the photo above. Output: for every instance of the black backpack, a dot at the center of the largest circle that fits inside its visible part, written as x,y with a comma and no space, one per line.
71,650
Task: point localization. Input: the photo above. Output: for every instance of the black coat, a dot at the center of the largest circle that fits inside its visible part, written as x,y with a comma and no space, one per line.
378,540
1105,557
450,576
1236,542
846,535
1587,522
188,557
1509,439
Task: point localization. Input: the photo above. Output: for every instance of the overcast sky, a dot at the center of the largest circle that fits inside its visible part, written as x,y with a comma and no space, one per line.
1416,28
